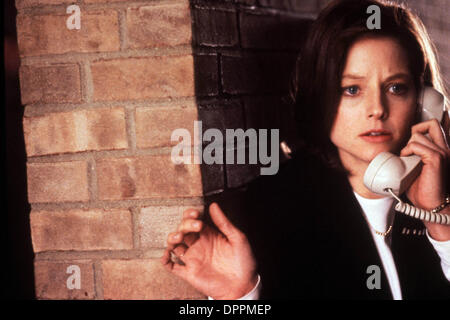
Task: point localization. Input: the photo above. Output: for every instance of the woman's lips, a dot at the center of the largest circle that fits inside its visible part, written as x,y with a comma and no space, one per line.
376,135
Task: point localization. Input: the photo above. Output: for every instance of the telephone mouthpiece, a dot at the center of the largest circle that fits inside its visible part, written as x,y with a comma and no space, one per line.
387,171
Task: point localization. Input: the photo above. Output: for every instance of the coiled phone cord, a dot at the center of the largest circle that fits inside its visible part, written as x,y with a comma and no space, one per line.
418,213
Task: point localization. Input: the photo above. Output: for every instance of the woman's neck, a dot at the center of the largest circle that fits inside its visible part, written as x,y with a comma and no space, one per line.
356,169
357,183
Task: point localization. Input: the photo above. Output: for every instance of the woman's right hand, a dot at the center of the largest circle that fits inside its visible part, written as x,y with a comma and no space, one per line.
218,264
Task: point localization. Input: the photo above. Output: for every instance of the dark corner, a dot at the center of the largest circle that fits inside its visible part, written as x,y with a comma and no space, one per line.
18,277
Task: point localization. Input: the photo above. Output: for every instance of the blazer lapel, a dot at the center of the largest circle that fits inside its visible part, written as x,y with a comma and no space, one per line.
356,242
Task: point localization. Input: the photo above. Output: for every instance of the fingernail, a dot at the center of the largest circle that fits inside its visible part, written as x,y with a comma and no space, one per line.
196,224
176,236
193,214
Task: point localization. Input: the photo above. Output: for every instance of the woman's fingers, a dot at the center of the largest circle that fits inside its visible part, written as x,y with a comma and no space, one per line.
173,239
420,138
191,213
428,155
179,242
170,266
180,250
190,238
185,233
190,225
167,261
224,225
434,129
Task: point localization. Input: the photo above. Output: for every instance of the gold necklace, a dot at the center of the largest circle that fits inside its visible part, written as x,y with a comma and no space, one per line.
384,234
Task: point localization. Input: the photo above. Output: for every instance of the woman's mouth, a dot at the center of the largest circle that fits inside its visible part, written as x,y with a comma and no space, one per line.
376,135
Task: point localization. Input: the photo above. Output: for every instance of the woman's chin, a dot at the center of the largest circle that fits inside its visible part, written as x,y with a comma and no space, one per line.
350,157
373,152
370,156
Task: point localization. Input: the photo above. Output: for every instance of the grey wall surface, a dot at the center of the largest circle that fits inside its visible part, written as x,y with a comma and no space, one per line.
435,15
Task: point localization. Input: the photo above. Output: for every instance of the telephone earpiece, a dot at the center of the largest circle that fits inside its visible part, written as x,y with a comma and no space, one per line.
389,174
431,103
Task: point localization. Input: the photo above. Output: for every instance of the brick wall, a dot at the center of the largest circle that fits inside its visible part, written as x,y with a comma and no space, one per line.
245,51
100,105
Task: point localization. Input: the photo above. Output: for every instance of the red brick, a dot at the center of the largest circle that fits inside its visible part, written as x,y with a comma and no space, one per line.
143,279
57,182
142,78
57,83
48,34
33,3
78,229
154,126
155,223
159,25
97,129
147,177
51,280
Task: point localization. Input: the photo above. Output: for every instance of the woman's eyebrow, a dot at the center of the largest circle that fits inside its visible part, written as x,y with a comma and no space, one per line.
352,76
401,75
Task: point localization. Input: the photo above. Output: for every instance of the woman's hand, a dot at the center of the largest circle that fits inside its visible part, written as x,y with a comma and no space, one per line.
218,264
429,189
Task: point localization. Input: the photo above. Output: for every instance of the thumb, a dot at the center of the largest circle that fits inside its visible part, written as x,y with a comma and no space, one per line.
221,221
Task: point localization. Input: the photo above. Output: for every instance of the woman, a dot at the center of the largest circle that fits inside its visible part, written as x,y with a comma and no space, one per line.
314,230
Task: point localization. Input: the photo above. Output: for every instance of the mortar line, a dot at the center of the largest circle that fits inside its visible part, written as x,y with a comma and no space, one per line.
92,179
83,84
130,121
98,279
39,109
116,204
73,57
123,37
99,155
89,86
98,255
135,213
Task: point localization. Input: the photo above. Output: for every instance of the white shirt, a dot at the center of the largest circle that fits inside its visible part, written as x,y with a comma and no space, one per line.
380,215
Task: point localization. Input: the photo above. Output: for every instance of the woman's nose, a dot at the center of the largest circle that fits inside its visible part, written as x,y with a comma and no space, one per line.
376,107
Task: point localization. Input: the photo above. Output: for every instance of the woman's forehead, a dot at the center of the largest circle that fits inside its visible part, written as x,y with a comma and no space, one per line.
374,55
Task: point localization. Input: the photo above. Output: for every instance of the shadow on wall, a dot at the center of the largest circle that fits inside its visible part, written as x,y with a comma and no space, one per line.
18,277
244,57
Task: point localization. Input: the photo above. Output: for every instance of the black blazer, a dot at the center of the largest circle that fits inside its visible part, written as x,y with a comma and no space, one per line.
310,238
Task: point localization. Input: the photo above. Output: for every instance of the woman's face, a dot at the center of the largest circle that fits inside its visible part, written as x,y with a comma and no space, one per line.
378,101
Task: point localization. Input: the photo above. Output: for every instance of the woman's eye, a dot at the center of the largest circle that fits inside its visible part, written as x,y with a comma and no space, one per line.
398,89
351,91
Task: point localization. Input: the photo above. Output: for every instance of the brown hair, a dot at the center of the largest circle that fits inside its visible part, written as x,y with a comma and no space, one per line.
316,85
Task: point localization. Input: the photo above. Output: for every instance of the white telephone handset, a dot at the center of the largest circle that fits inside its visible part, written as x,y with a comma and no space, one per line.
389,174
